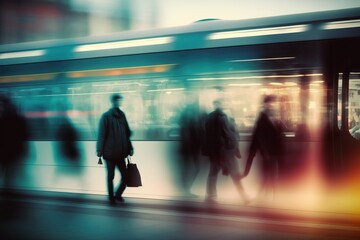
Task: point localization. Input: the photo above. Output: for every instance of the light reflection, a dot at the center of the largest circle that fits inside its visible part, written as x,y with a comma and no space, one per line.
341,24
263,59
124,44
243,84
166,90
290,84
246,77
259,32
23,54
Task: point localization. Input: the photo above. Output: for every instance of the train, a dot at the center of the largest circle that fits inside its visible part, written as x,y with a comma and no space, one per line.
310,61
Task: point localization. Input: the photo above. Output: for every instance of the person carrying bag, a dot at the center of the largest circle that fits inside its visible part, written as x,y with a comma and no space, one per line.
114,146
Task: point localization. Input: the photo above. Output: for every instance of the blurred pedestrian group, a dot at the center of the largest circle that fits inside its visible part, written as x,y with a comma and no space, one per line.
216,136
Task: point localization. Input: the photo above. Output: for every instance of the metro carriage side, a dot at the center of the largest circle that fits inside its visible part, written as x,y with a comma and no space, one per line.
316,80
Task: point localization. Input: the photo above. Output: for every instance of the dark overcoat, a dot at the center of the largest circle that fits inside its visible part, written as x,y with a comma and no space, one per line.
114,135
267,138
220,137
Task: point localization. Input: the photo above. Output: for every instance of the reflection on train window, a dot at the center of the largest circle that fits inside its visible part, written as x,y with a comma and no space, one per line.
153,106
156,97
52,109
339,111
354,105
299,97
150,105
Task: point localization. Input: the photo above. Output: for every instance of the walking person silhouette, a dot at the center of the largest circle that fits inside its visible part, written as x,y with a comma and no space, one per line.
268,139
114,145
221,146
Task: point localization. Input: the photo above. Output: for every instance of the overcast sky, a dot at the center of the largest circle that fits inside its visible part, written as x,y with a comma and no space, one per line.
170,13
175,12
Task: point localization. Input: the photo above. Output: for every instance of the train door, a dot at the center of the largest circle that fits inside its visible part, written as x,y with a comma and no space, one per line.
343,154
348,118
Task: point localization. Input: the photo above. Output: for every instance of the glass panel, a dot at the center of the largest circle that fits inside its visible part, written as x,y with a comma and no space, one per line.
354,105
156,95
153,106
339,105
314,119
299,97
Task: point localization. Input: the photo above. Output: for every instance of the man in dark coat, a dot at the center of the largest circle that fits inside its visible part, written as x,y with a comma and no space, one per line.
13,141
221,145
191,140
268,139
114,145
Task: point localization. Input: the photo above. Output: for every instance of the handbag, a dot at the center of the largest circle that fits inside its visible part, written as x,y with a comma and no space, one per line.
133,178
100,161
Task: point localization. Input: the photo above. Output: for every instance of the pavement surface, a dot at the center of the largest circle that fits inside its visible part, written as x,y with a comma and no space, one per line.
53,215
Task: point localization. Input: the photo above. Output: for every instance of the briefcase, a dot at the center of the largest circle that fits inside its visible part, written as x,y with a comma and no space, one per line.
133,178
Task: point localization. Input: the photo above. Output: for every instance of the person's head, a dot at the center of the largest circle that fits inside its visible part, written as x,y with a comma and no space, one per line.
269,101
115,100
6,106
218,104
357,116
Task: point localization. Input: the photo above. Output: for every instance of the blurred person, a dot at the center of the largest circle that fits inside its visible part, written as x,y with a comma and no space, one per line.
352,119
221,146
268,139
13,141
355,125
67,135
114,145
191,141
68,151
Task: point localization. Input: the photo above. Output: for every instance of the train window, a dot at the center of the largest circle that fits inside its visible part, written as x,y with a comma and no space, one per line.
354,105
151,105
298,105
56,111
154,100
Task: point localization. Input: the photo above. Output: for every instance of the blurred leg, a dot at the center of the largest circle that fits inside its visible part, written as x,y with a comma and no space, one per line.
236,178
212,178
110,166
196,168
122,168
192,172
232,165
184,168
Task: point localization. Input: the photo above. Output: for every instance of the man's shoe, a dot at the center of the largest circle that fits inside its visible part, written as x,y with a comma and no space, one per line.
112,201
210,200
120,199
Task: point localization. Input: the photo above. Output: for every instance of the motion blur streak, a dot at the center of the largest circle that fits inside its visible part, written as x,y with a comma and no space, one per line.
23,54
258,32
342,24
27,78
120,71
167,93
124,44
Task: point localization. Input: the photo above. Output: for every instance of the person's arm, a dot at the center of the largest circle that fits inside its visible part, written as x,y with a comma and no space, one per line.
227,133
101,136
252,151
128,135
254,146
355,128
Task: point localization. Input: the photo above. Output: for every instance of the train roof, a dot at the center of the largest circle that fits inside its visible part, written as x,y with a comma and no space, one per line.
334,24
